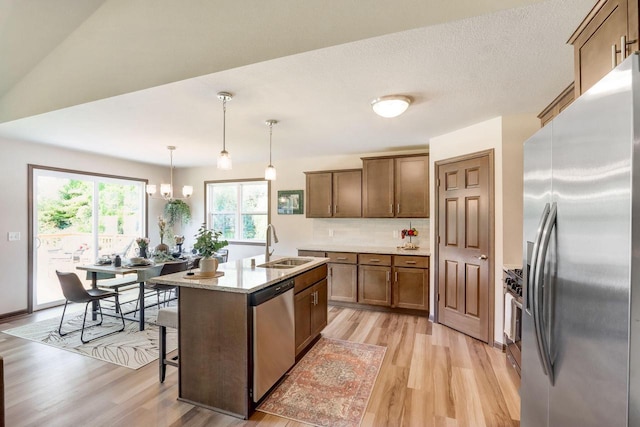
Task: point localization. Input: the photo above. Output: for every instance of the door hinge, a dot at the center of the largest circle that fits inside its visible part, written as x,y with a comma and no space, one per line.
438,182
438,297
438,239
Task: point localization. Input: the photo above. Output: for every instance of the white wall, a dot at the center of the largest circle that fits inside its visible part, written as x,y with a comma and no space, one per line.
13,216
296,230
505,135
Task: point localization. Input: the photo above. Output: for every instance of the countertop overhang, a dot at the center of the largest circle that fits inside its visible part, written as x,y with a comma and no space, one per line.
240,276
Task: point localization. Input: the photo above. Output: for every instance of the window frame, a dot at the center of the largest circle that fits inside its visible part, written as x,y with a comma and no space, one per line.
207,211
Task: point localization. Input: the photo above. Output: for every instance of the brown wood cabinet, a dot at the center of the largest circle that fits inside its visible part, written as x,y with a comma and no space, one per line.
374,279
310,314
342,276
604,38
334,194
411,282
557,105
395,187
319,254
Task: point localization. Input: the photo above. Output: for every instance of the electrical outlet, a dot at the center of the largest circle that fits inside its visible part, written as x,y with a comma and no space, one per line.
395,234
330,233
13,236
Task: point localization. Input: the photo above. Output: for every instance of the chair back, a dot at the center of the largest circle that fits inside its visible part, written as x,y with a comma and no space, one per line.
223,255
173,267
72,287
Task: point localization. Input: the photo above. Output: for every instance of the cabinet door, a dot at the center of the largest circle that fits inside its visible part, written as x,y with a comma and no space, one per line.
411,288
377,188
303,306
347,194
592,43
412,187
374,285
319,310
343,284
318,195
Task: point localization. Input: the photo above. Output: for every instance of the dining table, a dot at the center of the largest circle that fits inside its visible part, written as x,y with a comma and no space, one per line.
143,273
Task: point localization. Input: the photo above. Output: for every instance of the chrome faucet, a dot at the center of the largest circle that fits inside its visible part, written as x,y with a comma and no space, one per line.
267,253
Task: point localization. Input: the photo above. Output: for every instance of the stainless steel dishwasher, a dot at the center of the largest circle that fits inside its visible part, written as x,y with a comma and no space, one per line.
274,347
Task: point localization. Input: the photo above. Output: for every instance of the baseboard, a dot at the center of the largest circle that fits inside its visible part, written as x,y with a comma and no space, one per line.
13,314
500,346
368,307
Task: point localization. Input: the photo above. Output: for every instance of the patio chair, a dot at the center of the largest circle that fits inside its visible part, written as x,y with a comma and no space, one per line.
74,291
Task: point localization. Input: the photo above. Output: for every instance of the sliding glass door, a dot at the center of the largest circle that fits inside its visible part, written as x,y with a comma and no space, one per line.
77,218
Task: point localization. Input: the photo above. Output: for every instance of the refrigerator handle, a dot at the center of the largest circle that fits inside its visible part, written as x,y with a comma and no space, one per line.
538,296
531,276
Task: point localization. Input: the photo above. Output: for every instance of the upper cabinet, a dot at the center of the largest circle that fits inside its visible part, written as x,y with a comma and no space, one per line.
395,187
606,36
603,40
334,194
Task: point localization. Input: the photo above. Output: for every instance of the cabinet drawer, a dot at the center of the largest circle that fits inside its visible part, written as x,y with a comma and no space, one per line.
411,261
342,257
308,278
374,259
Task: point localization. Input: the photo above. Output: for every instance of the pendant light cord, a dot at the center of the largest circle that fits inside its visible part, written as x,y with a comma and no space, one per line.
224,124
270,134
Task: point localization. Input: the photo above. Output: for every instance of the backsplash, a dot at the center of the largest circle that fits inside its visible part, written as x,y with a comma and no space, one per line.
369,231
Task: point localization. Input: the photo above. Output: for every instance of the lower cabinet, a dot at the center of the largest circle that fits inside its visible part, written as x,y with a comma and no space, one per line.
411,282
343,276
374,279
310,313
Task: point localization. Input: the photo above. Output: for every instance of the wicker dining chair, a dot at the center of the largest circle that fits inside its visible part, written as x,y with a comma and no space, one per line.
74,291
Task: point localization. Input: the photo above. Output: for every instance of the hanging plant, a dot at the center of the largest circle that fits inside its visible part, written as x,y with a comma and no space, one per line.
177,211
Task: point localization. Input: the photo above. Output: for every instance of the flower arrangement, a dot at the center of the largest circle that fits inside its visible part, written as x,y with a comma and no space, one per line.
143,242
162,227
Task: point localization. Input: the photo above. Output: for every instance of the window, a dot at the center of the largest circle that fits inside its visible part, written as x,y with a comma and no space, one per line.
240,209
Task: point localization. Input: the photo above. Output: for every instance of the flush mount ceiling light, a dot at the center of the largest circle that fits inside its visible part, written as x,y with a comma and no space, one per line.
224,159
390,105
270,171
166,190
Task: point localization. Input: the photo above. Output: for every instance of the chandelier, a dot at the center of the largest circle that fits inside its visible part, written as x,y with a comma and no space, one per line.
166,190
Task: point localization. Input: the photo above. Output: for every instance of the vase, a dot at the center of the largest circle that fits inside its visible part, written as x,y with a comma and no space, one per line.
143,252
162,248
208,266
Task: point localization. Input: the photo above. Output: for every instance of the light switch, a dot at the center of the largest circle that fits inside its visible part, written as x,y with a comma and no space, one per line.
395,234
330,233
13,236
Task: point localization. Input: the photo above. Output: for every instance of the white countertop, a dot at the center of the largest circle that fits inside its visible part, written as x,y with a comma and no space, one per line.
382,250
240,277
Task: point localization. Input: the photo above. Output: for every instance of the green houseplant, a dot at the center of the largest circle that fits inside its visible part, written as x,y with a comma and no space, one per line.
207,244
177,211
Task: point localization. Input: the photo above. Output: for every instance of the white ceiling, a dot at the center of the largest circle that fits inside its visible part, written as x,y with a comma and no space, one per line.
461,72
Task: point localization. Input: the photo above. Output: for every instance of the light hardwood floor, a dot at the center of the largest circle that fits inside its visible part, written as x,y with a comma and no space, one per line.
431,376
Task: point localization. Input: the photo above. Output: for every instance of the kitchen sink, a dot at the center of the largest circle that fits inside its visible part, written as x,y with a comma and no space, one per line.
285,263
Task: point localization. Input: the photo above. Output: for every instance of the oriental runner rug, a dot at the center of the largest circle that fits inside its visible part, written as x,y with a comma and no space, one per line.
130,348
330,386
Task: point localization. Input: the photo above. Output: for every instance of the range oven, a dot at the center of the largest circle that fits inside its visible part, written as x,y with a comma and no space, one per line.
513,316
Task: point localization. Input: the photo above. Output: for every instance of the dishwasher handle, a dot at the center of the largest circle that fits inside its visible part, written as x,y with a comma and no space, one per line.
270,292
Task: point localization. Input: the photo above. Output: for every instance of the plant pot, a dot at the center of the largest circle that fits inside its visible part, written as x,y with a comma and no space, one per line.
208,266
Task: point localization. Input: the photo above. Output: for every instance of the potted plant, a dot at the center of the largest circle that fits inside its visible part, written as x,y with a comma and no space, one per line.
207,244
177,211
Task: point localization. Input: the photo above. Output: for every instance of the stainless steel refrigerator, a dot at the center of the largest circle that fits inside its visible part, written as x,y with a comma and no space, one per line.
581,316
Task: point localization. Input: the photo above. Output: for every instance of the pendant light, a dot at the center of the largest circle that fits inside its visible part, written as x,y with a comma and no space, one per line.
166,190
224,159
270,171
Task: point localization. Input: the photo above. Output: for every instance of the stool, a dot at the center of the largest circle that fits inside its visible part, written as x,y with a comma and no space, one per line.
167,318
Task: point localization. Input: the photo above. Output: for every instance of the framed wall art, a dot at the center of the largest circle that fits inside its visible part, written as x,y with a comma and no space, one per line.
290,202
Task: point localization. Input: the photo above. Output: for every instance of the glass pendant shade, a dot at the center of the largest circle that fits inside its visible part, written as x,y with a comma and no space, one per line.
165,190
187,191
270,173
224,160
151,189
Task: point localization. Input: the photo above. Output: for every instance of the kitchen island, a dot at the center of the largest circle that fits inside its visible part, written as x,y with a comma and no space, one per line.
216,326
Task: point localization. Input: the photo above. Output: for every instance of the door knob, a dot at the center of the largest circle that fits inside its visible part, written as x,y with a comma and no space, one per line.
482,257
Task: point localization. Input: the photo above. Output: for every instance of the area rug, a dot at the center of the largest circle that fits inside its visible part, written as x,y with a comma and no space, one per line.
330,386
131,348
